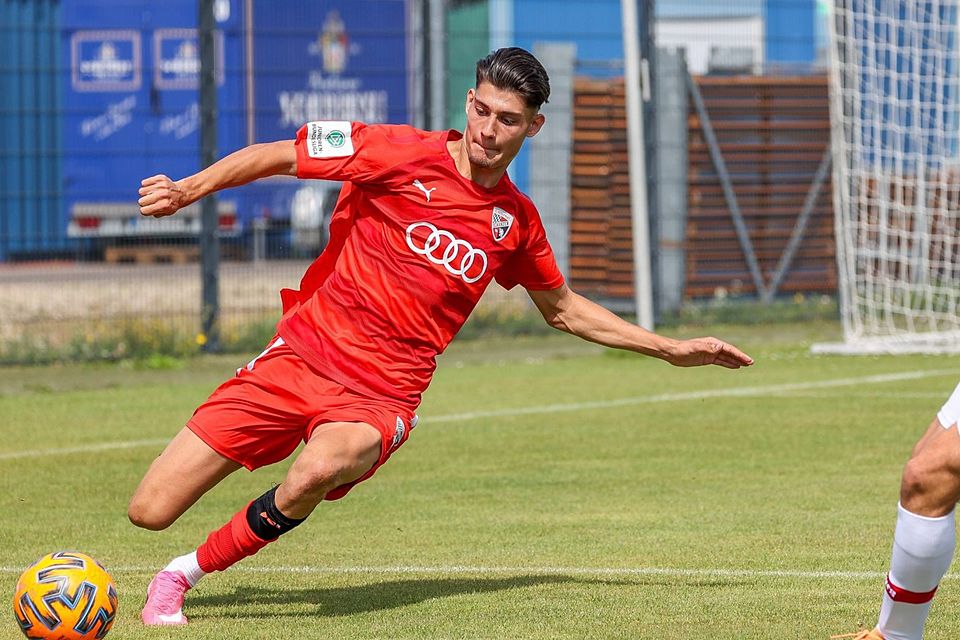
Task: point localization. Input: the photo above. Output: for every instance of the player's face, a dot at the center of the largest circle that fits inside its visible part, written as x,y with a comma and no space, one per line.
498,121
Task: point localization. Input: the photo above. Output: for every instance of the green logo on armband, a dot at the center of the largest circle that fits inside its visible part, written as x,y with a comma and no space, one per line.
336,138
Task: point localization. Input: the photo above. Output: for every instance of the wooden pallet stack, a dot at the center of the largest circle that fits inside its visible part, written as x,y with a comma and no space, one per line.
772,132
151,254
601,259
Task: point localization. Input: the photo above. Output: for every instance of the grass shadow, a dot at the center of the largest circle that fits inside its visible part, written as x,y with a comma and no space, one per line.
259,602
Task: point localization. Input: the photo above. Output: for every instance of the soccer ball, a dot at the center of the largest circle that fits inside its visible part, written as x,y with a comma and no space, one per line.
65,596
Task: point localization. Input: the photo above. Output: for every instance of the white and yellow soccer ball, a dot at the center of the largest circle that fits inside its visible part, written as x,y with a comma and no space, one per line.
65,596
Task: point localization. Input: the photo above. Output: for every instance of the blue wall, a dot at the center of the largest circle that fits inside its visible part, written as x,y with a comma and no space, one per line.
29,131
909,102
791,34
130,77
97,94
594,26
698,8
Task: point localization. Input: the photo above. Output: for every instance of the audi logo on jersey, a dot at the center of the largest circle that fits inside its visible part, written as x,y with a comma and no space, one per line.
441,247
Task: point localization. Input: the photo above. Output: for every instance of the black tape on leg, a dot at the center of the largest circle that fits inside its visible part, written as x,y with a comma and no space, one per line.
265,519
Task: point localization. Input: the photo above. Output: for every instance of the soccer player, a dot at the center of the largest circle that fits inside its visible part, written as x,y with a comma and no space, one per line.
425,221
925,535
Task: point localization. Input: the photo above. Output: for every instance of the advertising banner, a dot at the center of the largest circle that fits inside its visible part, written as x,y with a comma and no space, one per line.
133,99
133,109
337,60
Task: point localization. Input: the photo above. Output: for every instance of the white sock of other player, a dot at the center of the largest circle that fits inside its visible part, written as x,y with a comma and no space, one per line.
188,566
922,551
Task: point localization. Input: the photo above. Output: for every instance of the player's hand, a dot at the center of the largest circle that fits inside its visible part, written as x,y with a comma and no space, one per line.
701,351
160,196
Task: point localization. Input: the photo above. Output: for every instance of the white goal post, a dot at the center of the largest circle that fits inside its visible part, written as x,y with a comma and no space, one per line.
895,120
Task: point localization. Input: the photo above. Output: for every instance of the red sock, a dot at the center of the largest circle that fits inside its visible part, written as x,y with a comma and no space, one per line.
229,544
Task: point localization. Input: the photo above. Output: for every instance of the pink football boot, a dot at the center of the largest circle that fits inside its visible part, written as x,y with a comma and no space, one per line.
164,604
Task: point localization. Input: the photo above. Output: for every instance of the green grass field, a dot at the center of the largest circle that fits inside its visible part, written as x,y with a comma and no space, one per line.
552,490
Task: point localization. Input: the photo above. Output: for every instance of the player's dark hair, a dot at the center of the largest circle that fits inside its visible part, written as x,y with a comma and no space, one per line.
515,69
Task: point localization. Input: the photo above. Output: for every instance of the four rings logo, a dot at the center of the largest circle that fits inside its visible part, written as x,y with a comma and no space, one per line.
443,248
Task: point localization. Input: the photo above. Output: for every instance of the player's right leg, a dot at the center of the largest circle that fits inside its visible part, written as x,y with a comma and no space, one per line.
336,455
237,420
930,485
186,469
925,536
259,418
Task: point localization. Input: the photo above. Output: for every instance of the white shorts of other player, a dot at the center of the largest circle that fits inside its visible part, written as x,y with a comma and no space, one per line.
949,414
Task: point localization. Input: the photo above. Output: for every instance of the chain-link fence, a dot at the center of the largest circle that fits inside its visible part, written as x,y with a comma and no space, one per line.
96,95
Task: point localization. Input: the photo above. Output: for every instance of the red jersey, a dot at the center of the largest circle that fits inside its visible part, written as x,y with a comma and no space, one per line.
413,245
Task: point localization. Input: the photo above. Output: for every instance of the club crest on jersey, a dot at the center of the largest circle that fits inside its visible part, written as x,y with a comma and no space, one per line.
500,223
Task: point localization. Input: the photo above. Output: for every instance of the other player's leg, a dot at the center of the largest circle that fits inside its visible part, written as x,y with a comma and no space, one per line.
925,535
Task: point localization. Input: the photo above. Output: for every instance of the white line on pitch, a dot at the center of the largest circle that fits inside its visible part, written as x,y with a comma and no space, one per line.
693,395
855,394
580,571
90,448
561,408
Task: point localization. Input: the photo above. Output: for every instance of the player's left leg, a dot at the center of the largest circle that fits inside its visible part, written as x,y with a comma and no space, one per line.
337,453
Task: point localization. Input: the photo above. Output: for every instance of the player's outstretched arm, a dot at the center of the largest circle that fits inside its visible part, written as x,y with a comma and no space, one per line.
571,312
160,196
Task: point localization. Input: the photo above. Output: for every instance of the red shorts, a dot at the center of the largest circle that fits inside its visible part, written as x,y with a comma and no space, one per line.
274,403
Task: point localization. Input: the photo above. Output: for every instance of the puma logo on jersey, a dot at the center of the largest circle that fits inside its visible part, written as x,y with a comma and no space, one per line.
426,192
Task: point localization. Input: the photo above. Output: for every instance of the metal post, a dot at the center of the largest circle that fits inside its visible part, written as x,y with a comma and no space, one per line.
259,240
438,63
209,337
636,149
668,166
501,23
416,91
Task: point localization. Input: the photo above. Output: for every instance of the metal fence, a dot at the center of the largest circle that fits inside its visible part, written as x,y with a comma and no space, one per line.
96,95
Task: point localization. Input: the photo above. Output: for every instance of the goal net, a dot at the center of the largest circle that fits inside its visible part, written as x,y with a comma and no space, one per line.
895,119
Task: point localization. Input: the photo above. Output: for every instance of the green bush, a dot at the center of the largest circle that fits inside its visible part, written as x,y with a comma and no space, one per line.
725,310
161,342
